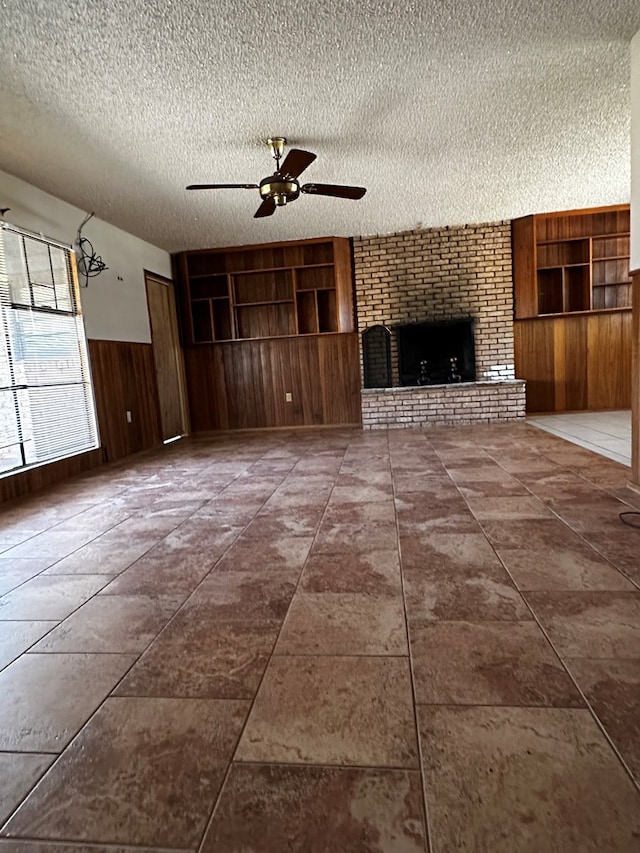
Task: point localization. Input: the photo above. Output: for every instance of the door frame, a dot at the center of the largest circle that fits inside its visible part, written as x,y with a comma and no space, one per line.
177,348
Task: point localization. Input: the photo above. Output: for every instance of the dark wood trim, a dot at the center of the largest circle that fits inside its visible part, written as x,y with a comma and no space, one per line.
42,476
258,246
609,208
590,313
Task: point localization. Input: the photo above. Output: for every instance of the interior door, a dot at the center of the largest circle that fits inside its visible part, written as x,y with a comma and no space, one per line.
167,355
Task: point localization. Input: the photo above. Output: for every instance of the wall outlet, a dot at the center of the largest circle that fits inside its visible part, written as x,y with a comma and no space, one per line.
129,418
288,397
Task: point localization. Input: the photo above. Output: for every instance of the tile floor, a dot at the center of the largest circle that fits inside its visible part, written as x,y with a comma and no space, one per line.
607,433
325,640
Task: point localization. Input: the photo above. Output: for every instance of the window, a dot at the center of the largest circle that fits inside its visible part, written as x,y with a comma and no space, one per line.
46,402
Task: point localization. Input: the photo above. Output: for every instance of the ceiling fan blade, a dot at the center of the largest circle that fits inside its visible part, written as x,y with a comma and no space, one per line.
336,190
296,162
222,187
267,208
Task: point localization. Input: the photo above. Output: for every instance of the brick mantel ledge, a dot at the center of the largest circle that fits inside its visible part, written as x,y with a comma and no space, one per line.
438,405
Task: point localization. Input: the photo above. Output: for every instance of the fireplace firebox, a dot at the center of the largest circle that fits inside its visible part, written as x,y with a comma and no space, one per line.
435,353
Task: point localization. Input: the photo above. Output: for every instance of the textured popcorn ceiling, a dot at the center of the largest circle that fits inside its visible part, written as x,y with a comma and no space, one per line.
448,112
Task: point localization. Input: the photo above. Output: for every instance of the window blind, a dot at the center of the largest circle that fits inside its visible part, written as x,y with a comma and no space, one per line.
46,400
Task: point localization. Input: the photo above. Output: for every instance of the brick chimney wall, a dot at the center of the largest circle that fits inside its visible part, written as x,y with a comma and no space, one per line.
442,274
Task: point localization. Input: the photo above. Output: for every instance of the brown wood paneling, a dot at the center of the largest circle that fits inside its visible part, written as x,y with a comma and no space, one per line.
243,384
43,476
574,363
534,360
571,378
608,358
344,285
340,384
524,267
635,380
124,380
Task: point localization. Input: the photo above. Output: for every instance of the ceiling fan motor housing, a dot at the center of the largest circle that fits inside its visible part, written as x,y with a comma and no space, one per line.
280,189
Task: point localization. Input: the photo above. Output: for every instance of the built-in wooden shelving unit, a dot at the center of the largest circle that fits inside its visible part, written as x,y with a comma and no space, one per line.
267,291
572,298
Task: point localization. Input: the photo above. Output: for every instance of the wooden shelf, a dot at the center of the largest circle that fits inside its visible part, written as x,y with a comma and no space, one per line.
599,260
560,259
564,266
257,304
572,298
270,290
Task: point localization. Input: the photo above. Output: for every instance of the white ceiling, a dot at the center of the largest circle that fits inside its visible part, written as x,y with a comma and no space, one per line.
449,112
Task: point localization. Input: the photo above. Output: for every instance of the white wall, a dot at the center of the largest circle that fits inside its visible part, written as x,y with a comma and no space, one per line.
635,152
113,310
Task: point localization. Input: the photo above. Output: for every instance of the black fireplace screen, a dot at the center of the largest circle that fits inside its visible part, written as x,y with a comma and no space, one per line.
436,353
376,357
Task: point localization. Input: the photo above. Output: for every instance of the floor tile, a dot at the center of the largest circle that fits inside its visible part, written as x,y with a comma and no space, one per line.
356,537
201,536
51,544
367,571
436,485
47,698
515,507
361,494
250,555
331,623
198,656
98,557
490,472
233,513
143,771
17,637
579,568
270,809
269,525
111,623
19,771
462,594
487,663
420,516
246,595
518,533
613,690
525,779
333,710
164,571
448,551
14,572
590,624
50,598
489,489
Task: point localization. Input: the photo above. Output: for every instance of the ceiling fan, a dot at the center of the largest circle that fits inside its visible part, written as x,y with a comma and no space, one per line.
283,186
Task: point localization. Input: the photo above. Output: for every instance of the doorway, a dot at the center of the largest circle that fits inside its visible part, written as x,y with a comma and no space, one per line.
167,355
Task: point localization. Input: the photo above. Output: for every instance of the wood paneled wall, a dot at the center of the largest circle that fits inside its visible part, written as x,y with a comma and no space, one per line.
575,362
36,479
124,380
635,380
242,384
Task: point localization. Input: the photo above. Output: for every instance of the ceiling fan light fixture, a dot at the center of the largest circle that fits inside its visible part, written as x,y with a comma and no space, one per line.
276,187
283,186
276,144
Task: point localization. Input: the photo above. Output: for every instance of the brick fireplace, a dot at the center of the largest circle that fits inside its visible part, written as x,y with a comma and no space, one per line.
442,274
